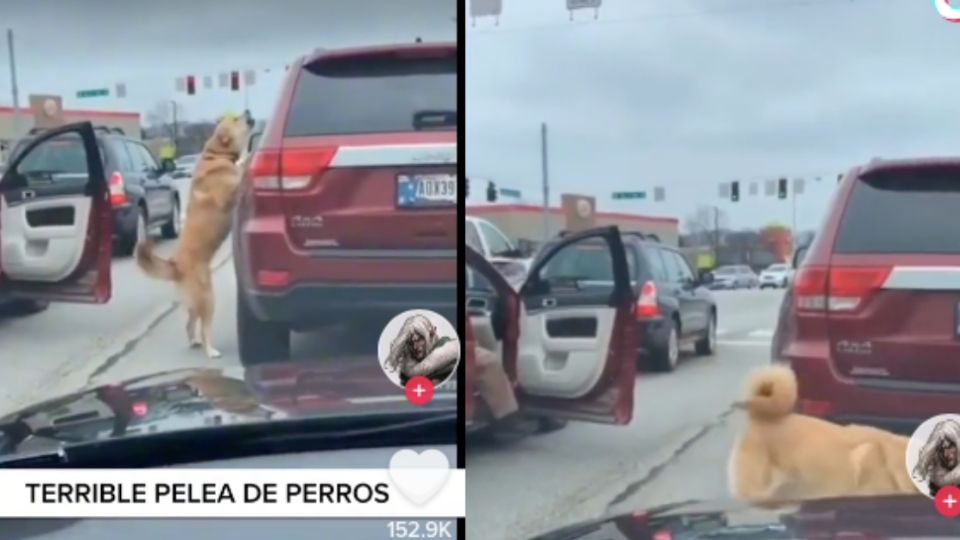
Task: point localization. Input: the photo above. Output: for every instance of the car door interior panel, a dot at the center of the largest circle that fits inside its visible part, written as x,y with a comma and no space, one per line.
55,218
42,232
562,366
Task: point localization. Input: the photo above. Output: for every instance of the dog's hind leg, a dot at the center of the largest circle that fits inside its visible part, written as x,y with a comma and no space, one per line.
192,329
205,313
752,475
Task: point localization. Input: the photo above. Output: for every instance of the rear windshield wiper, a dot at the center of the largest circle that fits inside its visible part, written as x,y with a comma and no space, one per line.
176,447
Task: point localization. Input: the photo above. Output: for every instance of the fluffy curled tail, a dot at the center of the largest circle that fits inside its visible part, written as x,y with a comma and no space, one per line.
771,392
154,266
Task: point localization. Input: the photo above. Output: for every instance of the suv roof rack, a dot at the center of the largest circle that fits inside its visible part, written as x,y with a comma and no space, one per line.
640,235
105,129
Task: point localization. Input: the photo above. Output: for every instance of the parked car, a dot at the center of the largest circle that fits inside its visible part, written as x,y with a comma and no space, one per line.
597,385
348,213
775,276
56,195
734,277
488,240
870,322
184,165
673,307
142,193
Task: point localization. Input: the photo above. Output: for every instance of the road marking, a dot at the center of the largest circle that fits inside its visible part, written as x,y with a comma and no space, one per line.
390,399
743,343
761,334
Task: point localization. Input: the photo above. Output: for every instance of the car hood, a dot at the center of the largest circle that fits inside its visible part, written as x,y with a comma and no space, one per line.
868,517
199,398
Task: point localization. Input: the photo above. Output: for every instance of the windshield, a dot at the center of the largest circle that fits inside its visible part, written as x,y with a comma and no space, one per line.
135,305
735,137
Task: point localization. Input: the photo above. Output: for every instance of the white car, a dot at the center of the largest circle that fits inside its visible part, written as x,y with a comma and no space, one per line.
775,276
485,238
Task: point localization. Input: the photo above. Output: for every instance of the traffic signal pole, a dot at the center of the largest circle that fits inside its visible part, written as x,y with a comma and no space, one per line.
13,86
546,182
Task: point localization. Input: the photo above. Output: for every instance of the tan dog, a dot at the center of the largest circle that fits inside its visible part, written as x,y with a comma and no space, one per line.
785,457
212,196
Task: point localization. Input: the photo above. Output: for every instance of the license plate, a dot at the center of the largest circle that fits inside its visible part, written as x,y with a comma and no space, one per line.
426,190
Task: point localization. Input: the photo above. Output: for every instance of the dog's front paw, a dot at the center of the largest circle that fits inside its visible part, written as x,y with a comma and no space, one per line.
213,353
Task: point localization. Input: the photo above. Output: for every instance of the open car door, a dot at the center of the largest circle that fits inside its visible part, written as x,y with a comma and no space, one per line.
56,219
577,345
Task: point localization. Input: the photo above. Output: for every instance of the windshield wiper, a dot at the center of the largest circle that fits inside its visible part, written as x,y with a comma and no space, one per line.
176,447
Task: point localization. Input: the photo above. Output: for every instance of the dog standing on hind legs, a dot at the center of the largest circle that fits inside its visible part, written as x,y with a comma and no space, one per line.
213,189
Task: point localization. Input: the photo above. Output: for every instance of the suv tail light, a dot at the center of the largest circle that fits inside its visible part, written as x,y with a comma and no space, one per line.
117,195
288,169
838,288
647,306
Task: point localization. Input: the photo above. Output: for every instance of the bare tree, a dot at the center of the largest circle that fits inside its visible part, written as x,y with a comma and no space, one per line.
165,116
704,224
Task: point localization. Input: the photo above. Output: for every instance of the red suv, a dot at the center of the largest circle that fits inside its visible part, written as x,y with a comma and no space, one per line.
349,205
871,324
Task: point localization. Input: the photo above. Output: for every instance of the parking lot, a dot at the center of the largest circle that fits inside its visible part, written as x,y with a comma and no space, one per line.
674,450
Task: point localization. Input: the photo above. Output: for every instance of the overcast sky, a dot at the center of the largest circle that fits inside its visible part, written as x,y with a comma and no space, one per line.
691,93
65,46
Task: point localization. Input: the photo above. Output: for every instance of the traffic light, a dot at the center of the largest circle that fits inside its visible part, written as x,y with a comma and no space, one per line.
491,192
839,177
234,80
191,85
782,188
735,191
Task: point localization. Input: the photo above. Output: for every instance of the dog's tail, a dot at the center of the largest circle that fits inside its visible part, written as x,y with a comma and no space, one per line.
154,266
771,392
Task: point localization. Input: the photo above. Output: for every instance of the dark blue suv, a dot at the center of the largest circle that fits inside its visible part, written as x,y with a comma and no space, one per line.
141,189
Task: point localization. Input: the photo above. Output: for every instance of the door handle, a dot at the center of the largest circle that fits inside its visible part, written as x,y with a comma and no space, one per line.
28,194
476,303
549,302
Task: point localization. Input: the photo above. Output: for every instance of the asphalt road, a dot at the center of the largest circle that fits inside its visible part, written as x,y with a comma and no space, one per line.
141,331
674,450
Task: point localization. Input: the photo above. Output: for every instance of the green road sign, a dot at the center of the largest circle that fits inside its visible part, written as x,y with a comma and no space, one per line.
618,195
98,92
512,193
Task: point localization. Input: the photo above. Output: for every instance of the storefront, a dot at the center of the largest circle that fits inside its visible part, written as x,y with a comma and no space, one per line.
45,111
524,223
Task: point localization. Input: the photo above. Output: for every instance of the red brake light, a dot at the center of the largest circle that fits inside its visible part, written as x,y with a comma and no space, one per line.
821,288
849,286
647,306
117,195
139,408
288,169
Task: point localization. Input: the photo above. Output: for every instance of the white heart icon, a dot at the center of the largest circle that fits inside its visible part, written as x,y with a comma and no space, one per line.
419,477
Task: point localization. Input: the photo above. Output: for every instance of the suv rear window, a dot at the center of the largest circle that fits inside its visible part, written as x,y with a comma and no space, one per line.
918,209
587,260
374,94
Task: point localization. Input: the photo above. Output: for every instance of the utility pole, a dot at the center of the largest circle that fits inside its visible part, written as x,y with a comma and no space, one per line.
176,128
546,182
716,235
793,229
13,85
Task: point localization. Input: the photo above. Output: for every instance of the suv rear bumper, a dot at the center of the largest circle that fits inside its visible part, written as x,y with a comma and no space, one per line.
315,304
897,406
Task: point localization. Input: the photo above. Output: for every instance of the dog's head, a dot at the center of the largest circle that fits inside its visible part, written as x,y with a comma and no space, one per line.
229,136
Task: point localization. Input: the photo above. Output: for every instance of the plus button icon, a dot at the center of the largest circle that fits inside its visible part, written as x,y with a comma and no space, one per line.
947,501
419,390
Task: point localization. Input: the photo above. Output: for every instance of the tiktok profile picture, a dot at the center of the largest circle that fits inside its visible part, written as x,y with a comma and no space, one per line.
419,343
933,454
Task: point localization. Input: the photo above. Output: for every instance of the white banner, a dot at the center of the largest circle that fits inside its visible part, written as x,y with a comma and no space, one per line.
247,493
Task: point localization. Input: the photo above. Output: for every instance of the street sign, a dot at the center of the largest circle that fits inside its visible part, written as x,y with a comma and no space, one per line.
621,195
583,4
512,193
98,92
